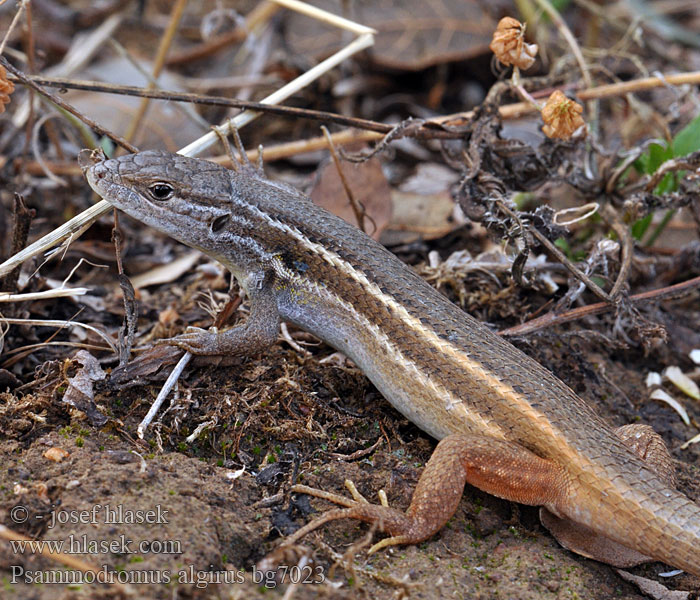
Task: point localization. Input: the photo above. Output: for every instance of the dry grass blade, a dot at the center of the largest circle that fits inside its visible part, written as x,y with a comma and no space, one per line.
10,29
159,63
163,393
57,293
166,273
61,324
326,17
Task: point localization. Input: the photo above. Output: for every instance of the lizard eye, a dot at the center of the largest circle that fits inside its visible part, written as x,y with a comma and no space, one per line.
161,191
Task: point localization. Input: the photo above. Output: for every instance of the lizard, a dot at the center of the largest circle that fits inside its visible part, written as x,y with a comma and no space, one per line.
506,424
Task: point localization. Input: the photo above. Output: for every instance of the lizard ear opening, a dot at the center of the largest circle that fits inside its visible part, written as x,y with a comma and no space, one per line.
218,223
161,191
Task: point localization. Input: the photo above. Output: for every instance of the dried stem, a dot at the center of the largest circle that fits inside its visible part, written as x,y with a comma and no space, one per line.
575,271
552,319
261,13
65,106
507,111
357,208
626,248
159,63
563,28
12,26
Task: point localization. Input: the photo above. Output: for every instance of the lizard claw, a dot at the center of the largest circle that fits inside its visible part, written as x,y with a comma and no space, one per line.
195,340
380,515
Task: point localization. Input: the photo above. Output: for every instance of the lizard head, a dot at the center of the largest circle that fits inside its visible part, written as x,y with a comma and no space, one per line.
191,200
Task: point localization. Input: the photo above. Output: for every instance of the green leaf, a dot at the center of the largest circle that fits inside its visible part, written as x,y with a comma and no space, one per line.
687,140
107,146
564,246
649,162
639,228
658,155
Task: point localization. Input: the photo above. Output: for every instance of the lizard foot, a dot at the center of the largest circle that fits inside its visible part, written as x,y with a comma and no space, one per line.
195,340
256,334
384,517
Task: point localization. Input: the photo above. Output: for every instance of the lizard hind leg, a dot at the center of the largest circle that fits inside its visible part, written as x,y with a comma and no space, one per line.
501,468
650,447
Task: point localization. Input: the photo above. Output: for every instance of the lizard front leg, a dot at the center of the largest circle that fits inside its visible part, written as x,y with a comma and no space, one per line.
257,333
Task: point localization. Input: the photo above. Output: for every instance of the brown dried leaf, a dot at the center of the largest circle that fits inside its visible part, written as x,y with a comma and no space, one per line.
6,88
369,188
423,206
80,392
419,216
150,367
166,127
413,34
168,317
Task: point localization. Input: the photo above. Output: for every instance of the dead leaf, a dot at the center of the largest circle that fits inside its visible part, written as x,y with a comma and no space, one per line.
423,206
413,34
369,188
151,366
168,316
167,273
80,393
430,178
166,127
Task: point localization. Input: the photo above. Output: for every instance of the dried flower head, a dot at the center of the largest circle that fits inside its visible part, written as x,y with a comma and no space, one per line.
561,116
6,88
509,46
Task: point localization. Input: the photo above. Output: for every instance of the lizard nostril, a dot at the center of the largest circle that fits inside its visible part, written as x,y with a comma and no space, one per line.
218,223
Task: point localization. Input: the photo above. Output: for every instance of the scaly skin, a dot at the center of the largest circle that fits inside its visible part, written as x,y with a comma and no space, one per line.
438,366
